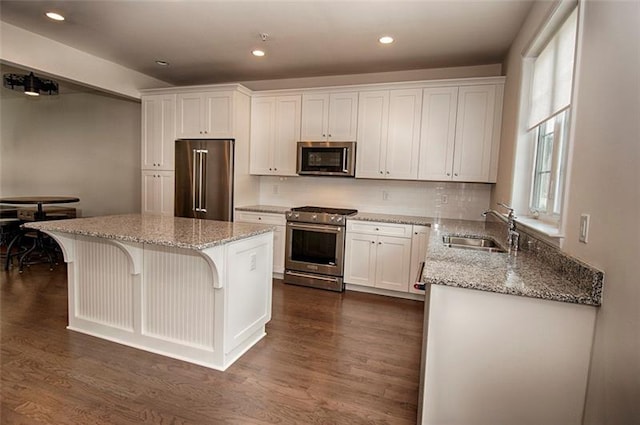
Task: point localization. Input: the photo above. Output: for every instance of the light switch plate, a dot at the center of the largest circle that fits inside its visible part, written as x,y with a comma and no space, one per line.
584,228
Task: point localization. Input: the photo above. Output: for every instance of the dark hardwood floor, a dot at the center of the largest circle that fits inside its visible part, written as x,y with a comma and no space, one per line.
328,358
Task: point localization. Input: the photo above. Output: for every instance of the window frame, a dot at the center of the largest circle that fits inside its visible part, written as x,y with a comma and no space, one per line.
550,219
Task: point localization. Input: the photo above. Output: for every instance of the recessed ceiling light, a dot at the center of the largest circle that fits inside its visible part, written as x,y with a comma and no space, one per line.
258,53
162,63
386,39
55,16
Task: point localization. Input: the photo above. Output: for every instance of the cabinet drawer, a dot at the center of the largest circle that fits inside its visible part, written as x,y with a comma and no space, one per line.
381,229
260,218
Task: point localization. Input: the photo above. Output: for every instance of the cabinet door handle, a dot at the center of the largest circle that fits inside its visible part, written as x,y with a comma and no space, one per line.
381,172
329,135
387,172
448,174
379,243
455,174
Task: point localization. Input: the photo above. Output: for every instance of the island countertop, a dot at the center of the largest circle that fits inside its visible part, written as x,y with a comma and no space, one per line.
178,232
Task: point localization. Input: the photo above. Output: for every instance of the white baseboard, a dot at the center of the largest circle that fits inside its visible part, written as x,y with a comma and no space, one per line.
378,291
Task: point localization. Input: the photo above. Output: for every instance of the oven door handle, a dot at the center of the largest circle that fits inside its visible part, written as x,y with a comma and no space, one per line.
315,276
326,228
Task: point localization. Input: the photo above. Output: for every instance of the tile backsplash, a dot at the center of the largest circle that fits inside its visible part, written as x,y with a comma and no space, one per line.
433,199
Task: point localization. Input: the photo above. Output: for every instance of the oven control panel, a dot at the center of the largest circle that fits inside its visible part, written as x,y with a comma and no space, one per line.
318,217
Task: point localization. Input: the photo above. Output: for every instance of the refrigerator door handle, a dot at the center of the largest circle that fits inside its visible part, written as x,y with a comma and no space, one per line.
203,180
194,179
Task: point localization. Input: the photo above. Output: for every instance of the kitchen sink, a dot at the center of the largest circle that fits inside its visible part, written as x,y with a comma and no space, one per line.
471,242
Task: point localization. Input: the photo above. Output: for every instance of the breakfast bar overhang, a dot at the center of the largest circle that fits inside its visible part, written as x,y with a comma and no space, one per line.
195,290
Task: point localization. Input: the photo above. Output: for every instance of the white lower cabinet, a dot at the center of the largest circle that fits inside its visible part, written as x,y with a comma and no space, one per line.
419,245
378,255
493,359
157,192
275,219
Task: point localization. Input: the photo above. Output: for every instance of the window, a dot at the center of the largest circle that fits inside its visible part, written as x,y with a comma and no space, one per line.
549,165
548,123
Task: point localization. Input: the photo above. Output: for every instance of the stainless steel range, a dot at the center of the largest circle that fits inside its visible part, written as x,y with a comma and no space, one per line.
315,247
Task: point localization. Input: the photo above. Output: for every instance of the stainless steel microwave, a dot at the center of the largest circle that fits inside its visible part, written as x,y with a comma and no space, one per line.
326,159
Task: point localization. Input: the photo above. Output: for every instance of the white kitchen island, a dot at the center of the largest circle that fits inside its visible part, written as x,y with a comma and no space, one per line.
195,290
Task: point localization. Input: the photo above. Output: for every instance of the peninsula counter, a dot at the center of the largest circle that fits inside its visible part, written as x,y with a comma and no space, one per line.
195,290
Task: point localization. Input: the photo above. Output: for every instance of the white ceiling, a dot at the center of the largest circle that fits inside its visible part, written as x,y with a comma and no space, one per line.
210,41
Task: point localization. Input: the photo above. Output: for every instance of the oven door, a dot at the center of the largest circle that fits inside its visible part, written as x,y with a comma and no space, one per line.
315,248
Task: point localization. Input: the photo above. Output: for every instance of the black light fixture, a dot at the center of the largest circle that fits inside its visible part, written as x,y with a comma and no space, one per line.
30,84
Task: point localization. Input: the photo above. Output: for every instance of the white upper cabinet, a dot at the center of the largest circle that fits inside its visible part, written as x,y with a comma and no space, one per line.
158,131
460,133
474,133
373,123
389,134
205,115
329,116
438,132
275,130
403,134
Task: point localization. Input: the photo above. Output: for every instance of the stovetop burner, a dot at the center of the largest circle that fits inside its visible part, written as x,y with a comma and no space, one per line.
319,210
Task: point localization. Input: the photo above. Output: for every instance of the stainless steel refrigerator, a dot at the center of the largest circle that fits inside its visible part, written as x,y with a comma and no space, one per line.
204,179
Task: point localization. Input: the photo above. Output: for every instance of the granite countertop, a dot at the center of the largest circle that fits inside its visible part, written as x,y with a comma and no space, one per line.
178,232
267,209
549,275
564,279
393,218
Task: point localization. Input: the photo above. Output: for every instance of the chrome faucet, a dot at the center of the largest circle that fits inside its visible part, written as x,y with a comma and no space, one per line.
514,237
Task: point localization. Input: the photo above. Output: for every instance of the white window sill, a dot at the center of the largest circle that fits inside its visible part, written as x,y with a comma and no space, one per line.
547,229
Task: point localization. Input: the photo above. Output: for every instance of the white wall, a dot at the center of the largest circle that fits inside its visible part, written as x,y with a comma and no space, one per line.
81,144
605,183
463,200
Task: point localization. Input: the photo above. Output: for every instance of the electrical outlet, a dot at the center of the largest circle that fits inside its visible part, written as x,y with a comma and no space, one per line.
444,199
252,266
276,189
584,228
385,195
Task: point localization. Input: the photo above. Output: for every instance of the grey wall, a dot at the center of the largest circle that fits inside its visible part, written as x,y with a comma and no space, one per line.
79,144
604,182
604,179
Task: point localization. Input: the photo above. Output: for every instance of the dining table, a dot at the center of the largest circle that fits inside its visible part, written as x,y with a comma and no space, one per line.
39,201
38,215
